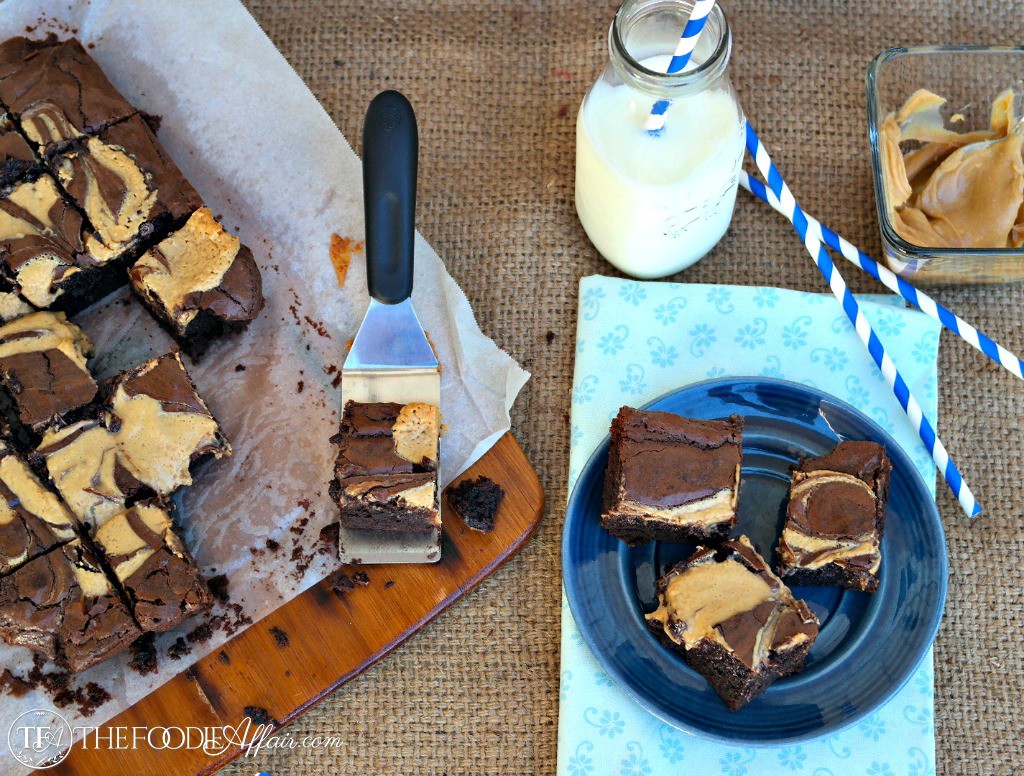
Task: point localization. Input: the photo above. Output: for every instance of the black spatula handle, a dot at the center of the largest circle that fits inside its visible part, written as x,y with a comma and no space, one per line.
390,156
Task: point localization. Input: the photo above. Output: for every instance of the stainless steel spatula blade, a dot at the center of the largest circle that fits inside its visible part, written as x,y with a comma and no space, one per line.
391,359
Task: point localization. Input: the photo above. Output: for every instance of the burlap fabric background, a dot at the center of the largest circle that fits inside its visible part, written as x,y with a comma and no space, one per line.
496,87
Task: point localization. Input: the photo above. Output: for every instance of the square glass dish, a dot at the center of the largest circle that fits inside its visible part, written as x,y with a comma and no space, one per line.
970,78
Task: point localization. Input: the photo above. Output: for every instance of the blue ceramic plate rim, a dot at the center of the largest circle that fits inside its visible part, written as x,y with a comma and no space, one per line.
576,516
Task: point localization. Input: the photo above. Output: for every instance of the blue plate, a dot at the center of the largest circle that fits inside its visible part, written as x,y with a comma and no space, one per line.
868,646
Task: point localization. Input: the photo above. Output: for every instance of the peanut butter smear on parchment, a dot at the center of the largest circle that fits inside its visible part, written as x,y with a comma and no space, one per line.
954,189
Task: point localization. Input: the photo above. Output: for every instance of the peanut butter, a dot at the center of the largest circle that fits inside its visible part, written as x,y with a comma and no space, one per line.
954,190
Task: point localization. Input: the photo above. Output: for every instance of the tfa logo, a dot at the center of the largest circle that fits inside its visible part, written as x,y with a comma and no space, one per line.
39,738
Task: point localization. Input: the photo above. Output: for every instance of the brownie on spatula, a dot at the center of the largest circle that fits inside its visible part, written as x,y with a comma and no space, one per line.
733,620
386,470
836,517
670,478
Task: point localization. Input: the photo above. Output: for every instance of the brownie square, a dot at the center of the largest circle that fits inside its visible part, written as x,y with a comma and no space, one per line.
386,470
43,366
129,189
477,502
835,518
389,502
86,466
163,426
42,241
733,620
63,606
200,282
18,161
670,478
33,520
56,91
157,574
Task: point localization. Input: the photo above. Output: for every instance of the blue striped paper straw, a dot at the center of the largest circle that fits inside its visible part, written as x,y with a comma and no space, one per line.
860,323
684,49
968,333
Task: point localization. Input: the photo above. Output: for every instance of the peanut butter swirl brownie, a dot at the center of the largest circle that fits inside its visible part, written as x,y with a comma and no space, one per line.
33,520
670,478
733,620
158,576
836,517
200,282
43,367
386,471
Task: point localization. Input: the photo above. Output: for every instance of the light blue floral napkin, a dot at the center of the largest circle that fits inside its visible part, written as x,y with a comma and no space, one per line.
636,341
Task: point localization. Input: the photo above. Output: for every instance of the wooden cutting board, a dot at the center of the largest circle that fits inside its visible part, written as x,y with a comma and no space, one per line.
331,638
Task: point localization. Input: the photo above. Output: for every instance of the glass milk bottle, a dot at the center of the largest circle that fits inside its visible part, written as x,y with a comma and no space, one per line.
653,203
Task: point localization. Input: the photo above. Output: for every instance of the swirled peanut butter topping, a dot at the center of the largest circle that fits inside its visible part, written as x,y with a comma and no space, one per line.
41,234
45,331
130,538
117,195
957,190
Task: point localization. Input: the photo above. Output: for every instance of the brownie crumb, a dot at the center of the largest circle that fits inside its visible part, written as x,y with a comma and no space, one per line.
328,541
201,634
179,649
144,658
389,584
219,588
224,657
336,381
361,578
273,546
549,337
476,502
280,636
260,716
240,368
14,685
340,583
154,120
87,699
299,386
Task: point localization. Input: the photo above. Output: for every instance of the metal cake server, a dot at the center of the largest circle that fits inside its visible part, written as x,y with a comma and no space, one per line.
391,359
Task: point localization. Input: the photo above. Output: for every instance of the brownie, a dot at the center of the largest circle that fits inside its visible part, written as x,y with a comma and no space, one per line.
129,189
56,91
200,282
33,520
86,466
63,606
733,620
18,161
386,470
476,501
158,576
42,244
835,518
389,502
163,426
670,478
43,366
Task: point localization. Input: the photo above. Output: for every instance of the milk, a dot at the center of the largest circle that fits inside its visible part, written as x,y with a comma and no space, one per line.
655,204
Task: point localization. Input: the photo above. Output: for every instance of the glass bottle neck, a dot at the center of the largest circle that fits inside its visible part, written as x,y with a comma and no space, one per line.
645,33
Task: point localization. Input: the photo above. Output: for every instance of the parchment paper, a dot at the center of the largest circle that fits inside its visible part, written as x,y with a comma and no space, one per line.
270,162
